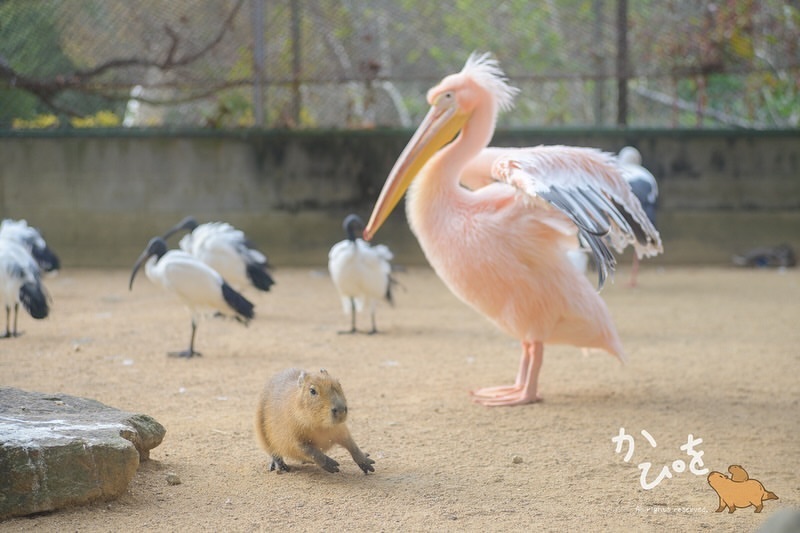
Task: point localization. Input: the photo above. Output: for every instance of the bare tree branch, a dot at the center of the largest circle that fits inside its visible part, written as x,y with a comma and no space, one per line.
722,117
80,80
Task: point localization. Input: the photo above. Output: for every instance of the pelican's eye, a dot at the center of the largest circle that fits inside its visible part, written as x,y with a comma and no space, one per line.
446,99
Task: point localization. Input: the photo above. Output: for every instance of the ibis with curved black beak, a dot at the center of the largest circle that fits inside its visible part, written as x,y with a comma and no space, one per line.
201,288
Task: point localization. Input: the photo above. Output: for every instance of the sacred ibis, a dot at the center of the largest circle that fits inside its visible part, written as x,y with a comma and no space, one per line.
32,240
361,273
644,187
201,288
225,249
20,282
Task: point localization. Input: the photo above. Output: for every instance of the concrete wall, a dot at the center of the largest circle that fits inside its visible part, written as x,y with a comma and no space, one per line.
100,196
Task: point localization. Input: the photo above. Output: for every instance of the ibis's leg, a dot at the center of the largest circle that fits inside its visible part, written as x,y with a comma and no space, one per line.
190,352
7,334
525,389
16,315
352,317
374,329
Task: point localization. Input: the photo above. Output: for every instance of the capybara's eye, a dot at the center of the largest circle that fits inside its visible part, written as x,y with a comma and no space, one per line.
313,391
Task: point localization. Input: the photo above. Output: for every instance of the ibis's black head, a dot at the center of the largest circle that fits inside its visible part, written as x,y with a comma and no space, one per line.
351,224
156,247
187,224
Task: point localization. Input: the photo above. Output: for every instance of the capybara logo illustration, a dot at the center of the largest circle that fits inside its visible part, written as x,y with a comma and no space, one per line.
739,490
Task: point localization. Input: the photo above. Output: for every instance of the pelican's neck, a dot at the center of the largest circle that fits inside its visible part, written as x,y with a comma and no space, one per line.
474,137
436,194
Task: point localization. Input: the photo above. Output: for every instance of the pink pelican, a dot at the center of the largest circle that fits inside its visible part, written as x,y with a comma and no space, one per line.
496,223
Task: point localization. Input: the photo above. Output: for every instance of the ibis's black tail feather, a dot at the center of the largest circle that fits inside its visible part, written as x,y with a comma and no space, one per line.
238,303
46,259
259,276
389,296
34,300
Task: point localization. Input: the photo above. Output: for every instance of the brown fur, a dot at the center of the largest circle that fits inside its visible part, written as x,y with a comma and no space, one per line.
301,415
739,490
738,473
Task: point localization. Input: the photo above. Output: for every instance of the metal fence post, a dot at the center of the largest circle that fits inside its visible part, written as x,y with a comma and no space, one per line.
297,66
259,58
622,62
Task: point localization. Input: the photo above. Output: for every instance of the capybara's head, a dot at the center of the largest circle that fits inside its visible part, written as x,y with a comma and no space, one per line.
715,478
321,399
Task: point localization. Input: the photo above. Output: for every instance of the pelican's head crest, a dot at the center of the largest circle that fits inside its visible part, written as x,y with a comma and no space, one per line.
486,71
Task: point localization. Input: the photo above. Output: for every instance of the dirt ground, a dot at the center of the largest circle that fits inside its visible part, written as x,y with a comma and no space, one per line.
713,354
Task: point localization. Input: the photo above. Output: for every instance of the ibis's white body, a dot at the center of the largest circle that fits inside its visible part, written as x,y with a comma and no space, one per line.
20,282
17,267
195,284
360,273
30,238
223,248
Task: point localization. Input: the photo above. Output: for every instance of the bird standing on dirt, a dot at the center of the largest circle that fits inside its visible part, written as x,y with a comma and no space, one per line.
196,284
20,282
500,242
361,273
225,249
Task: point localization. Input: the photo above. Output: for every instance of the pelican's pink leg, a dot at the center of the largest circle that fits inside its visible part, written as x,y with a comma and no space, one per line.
525,389
502,390
634,271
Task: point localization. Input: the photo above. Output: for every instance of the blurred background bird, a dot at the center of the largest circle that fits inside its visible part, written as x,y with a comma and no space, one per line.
499,241
225,249
201,288
644,187
20,282
31,238
360,272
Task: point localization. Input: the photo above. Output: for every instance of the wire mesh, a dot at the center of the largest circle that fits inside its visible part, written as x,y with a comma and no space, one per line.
368,63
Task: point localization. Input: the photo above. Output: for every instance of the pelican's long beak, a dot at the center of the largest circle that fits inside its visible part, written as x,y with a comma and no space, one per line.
439,127
142,258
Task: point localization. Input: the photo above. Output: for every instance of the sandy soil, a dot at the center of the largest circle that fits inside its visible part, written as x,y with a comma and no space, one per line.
713,353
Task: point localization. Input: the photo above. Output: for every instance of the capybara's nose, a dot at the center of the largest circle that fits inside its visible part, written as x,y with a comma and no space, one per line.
339,411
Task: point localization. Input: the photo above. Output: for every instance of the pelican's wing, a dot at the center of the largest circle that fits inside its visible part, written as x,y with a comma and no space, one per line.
587,186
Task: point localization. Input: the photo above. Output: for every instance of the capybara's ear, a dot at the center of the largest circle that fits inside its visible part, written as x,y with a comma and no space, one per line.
301,379
323,371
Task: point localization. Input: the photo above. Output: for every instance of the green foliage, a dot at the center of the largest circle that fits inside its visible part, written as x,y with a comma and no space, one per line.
735,57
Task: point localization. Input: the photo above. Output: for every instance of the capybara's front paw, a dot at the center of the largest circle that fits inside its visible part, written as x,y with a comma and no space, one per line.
366,464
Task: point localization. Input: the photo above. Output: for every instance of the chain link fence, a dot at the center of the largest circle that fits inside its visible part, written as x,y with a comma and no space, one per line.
367,63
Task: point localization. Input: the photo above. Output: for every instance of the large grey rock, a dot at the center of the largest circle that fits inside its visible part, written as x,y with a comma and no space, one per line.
60,450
